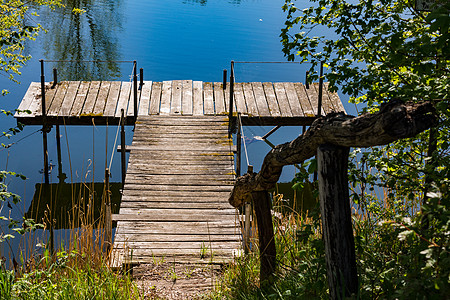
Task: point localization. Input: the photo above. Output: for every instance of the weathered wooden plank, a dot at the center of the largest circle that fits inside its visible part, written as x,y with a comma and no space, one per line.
175,106
169,253
212,213
283,102
130,111
125,93
32,93
334,98
208,98
174,203
271,99
174,169
100,104
157,180
188,246
313,98
173,189
179,238
304,100
69,98
155,100
55,106
239,99
187,98
166,97
80,98
198,98
252,108
112,99
90,98
219,100
293,100
144,99
170,218
260,98
327,106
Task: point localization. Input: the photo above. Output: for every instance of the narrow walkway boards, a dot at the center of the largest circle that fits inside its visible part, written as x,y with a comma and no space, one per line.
175,199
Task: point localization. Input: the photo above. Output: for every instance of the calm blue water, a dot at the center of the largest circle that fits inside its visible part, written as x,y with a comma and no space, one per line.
171,39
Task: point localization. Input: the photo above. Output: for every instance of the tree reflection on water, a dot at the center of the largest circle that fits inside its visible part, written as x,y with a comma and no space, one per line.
91,35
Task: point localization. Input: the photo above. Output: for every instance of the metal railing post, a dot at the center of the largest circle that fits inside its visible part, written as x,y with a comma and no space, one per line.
135,89
319,109
224,85
141,78
55,77
306,79
231,122
238,146
108,220
122,145
247,212
44,124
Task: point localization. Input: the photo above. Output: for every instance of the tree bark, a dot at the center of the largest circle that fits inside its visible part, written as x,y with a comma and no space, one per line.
395,120
267,250
332,163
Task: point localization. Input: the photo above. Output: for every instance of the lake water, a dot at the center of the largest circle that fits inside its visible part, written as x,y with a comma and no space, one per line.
171,39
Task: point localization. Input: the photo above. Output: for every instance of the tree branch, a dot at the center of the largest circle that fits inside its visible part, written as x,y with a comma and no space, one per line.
395,120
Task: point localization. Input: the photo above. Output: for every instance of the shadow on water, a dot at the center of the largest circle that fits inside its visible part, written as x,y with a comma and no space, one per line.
88,36
69,206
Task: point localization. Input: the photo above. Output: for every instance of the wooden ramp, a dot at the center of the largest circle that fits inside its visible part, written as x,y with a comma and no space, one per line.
175,199
100,102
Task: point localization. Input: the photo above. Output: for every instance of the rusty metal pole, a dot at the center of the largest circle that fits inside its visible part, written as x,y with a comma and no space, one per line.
224,85
141,78
44,124
230,107
135,90
248,213
122,145
306,80
238,147
319,109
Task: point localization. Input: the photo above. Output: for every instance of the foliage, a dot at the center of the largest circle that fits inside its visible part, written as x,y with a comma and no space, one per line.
16,27
67,275
380,51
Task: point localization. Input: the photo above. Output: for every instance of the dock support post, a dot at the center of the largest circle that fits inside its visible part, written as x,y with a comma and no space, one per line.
247,212
108,220
224,85
135,90
336,221
231,121
319,109
122,145
44,124
238,147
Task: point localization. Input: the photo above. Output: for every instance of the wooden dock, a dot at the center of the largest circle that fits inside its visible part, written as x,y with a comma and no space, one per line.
175,199
100,102
181,167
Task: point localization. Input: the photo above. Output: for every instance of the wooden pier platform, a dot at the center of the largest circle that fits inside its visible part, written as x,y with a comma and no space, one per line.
100,102
181,167
175,199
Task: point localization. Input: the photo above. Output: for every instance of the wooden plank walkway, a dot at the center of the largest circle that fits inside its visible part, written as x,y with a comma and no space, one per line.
175,198
82,103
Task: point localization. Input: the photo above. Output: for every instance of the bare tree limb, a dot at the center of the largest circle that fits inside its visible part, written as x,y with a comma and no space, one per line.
395,120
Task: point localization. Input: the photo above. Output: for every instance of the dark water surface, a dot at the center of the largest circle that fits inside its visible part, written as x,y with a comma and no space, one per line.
171,39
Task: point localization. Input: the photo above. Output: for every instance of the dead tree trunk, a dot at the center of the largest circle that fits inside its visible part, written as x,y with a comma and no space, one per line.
393,121
332,163
267,251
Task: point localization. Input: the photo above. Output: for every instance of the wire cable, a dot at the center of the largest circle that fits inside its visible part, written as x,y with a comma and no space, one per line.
243,139
19,140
